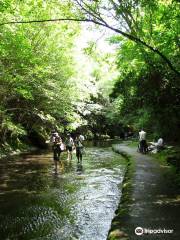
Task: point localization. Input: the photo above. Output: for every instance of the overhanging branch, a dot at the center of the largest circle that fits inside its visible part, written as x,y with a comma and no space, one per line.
104,24
46,20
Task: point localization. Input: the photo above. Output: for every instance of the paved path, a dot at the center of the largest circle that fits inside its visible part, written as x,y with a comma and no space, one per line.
155,204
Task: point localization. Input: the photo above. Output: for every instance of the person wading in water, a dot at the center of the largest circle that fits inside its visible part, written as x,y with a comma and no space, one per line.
69,146
57,152
79,147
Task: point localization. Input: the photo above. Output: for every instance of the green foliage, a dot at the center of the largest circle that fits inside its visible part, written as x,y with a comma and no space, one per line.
148,89
45,83
36,69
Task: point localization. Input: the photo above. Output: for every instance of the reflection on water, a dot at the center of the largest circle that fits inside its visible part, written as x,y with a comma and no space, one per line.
79,168
77,203
102,143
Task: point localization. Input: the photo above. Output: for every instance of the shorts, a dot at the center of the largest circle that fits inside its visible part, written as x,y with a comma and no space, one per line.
79,151
56,154
69,148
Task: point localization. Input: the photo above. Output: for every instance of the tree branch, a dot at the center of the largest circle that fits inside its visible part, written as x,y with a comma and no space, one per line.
104,24
46,20
155,50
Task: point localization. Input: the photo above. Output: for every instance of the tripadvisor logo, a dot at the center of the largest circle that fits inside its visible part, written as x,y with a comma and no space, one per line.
139,231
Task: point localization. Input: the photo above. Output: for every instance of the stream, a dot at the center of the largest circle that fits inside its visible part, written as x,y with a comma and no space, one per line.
77,203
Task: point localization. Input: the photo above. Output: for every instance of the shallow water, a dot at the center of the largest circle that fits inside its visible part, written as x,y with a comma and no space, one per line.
77,203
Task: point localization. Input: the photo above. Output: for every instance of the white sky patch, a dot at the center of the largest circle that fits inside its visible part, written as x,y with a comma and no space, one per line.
98,35
85,65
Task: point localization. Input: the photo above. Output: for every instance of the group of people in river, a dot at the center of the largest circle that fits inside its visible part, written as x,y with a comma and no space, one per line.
76,144
154,147
69,145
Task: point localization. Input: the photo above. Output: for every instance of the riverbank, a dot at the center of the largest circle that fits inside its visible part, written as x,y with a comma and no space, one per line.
168,157
116,231
13,152
149,201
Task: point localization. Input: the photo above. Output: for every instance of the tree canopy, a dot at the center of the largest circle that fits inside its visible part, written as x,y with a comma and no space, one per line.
36,69
124,17
44,84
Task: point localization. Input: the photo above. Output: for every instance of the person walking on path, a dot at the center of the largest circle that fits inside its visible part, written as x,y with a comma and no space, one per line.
79,147
69,146
57,152
142,141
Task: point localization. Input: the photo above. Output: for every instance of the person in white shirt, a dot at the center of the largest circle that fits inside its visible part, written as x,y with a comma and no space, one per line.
156,146
160,142
69,146
142,141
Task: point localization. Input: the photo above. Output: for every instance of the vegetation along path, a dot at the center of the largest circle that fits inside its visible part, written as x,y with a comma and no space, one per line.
153,202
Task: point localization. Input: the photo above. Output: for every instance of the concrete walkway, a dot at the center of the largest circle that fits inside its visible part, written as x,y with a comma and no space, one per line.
155,203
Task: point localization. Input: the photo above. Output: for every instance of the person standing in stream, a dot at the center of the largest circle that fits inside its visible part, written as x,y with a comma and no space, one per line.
69,146
79,147
57,152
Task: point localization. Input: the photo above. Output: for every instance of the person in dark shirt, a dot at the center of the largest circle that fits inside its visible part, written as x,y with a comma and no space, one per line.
79,147
57,152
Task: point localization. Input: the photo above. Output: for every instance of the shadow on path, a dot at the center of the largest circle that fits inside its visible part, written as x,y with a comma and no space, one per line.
154,203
